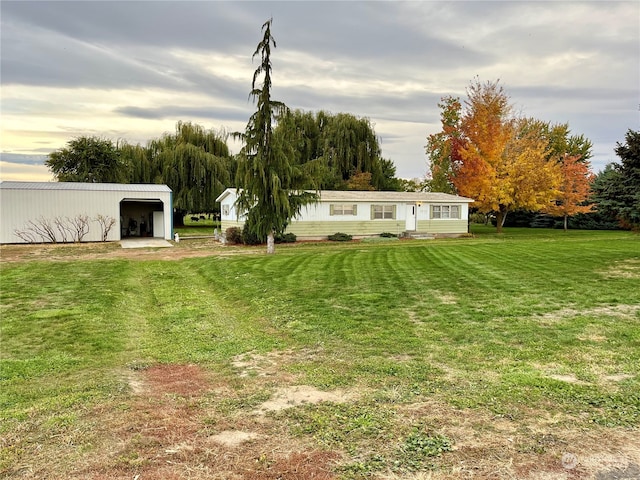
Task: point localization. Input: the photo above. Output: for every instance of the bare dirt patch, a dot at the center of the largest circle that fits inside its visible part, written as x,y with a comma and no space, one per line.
445,298
567,378
617,378
598,375
617,311
627,269
293,396
271,364
233,438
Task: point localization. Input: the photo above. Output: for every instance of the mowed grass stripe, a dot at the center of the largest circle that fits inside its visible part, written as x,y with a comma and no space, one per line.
63,334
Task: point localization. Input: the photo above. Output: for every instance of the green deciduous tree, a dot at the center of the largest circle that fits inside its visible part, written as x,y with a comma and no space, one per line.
560,142
268,178
88,159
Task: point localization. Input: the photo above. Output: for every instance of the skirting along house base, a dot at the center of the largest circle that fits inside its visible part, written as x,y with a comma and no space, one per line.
44,212
363,213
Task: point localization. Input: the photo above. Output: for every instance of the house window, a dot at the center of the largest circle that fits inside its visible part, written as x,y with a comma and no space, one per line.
225,210
445,211
383,212
343,209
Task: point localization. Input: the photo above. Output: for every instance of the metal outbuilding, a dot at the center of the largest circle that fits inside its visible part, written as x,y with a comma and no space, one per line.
40,211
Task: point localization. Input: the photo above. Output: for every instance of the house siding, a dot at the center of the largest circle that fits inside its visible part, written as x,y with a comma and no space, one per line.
320,229
443,226
317,220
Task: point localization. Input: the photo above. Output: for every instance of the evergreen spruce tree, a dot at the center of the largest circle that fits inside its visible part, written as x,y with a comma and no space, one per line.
268,178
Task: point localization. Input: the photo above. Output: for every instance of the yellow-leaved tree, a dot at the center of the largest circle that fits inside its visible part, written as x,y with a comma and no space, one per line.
503,162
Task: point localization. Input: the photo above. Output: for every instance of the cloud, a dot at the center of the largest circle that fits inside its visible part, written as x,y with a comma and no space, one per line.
23,169
130,70
176,111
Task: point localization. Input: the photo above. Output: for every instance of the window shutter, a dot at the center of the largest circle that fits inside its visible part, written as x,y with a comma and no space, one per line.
331,209
373,213
394,212
355,209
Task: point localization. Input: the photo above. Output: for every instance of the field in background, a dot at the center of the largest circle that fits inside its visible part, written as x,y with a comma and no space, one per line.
197,228
498,356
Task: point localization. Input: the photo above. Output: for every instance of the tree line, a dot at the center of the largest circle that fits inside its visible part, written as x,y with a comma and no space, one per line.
506,162
341,150
510,163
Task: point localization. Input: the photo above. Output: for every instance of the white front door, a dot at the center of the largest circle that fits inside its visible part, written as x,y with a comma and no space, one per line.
412,214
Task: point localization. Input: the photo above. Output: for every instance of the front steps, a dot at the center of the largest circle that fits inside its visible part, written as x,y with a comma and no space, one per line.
418,235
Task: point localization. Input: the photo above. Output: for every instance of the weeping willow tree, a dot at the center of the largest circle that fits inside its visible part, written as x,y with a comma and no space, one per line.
345,146
268,178
194,162
138,160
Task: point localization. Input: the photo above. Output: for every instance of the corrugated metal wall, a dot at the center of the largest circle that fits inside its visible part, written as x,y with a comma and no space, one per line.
21,209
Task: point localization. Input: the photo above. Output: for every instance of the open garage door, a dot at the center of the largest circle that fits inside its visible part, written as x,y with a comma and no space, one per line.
141,218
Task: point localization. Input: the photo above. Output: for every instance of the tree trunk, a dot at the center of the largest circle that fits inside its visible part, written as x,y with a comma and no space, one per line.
565,223
501,216
271,243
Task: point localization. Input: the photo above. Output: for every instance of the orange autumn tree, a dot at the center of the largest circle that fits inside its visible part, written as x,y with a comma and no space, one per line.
575,188
503,163
360,181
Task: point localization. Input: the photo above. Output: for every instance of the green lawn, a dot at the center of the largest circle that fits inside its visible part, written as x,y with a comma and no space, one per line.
515,327
198,228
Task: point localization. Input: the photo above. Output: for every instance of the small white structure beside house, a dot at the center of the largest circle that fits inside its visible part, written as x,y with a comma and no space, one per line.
28,210
363,213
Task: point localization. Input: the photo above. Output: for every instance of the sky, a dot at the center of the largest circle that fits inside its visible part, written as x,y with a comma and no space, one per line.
130,70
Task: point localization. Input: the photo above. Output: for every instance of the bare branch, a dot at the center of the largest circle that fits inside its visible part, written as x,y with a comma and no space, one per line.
80,225
44,229
106,224
27,235
64,229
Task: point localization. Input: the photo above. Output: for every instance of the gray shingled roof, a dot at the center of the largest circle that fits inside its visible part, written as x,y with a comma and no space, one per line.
97,187
352,195
375,196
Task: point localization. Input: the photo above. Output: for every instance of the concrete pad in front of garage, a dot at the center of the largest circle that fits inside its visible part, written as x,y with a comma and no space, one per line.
144,242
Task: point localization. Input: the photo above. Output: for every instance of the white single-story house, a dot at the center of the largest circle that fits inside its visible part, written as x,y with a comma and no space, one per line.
37,212
364,213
